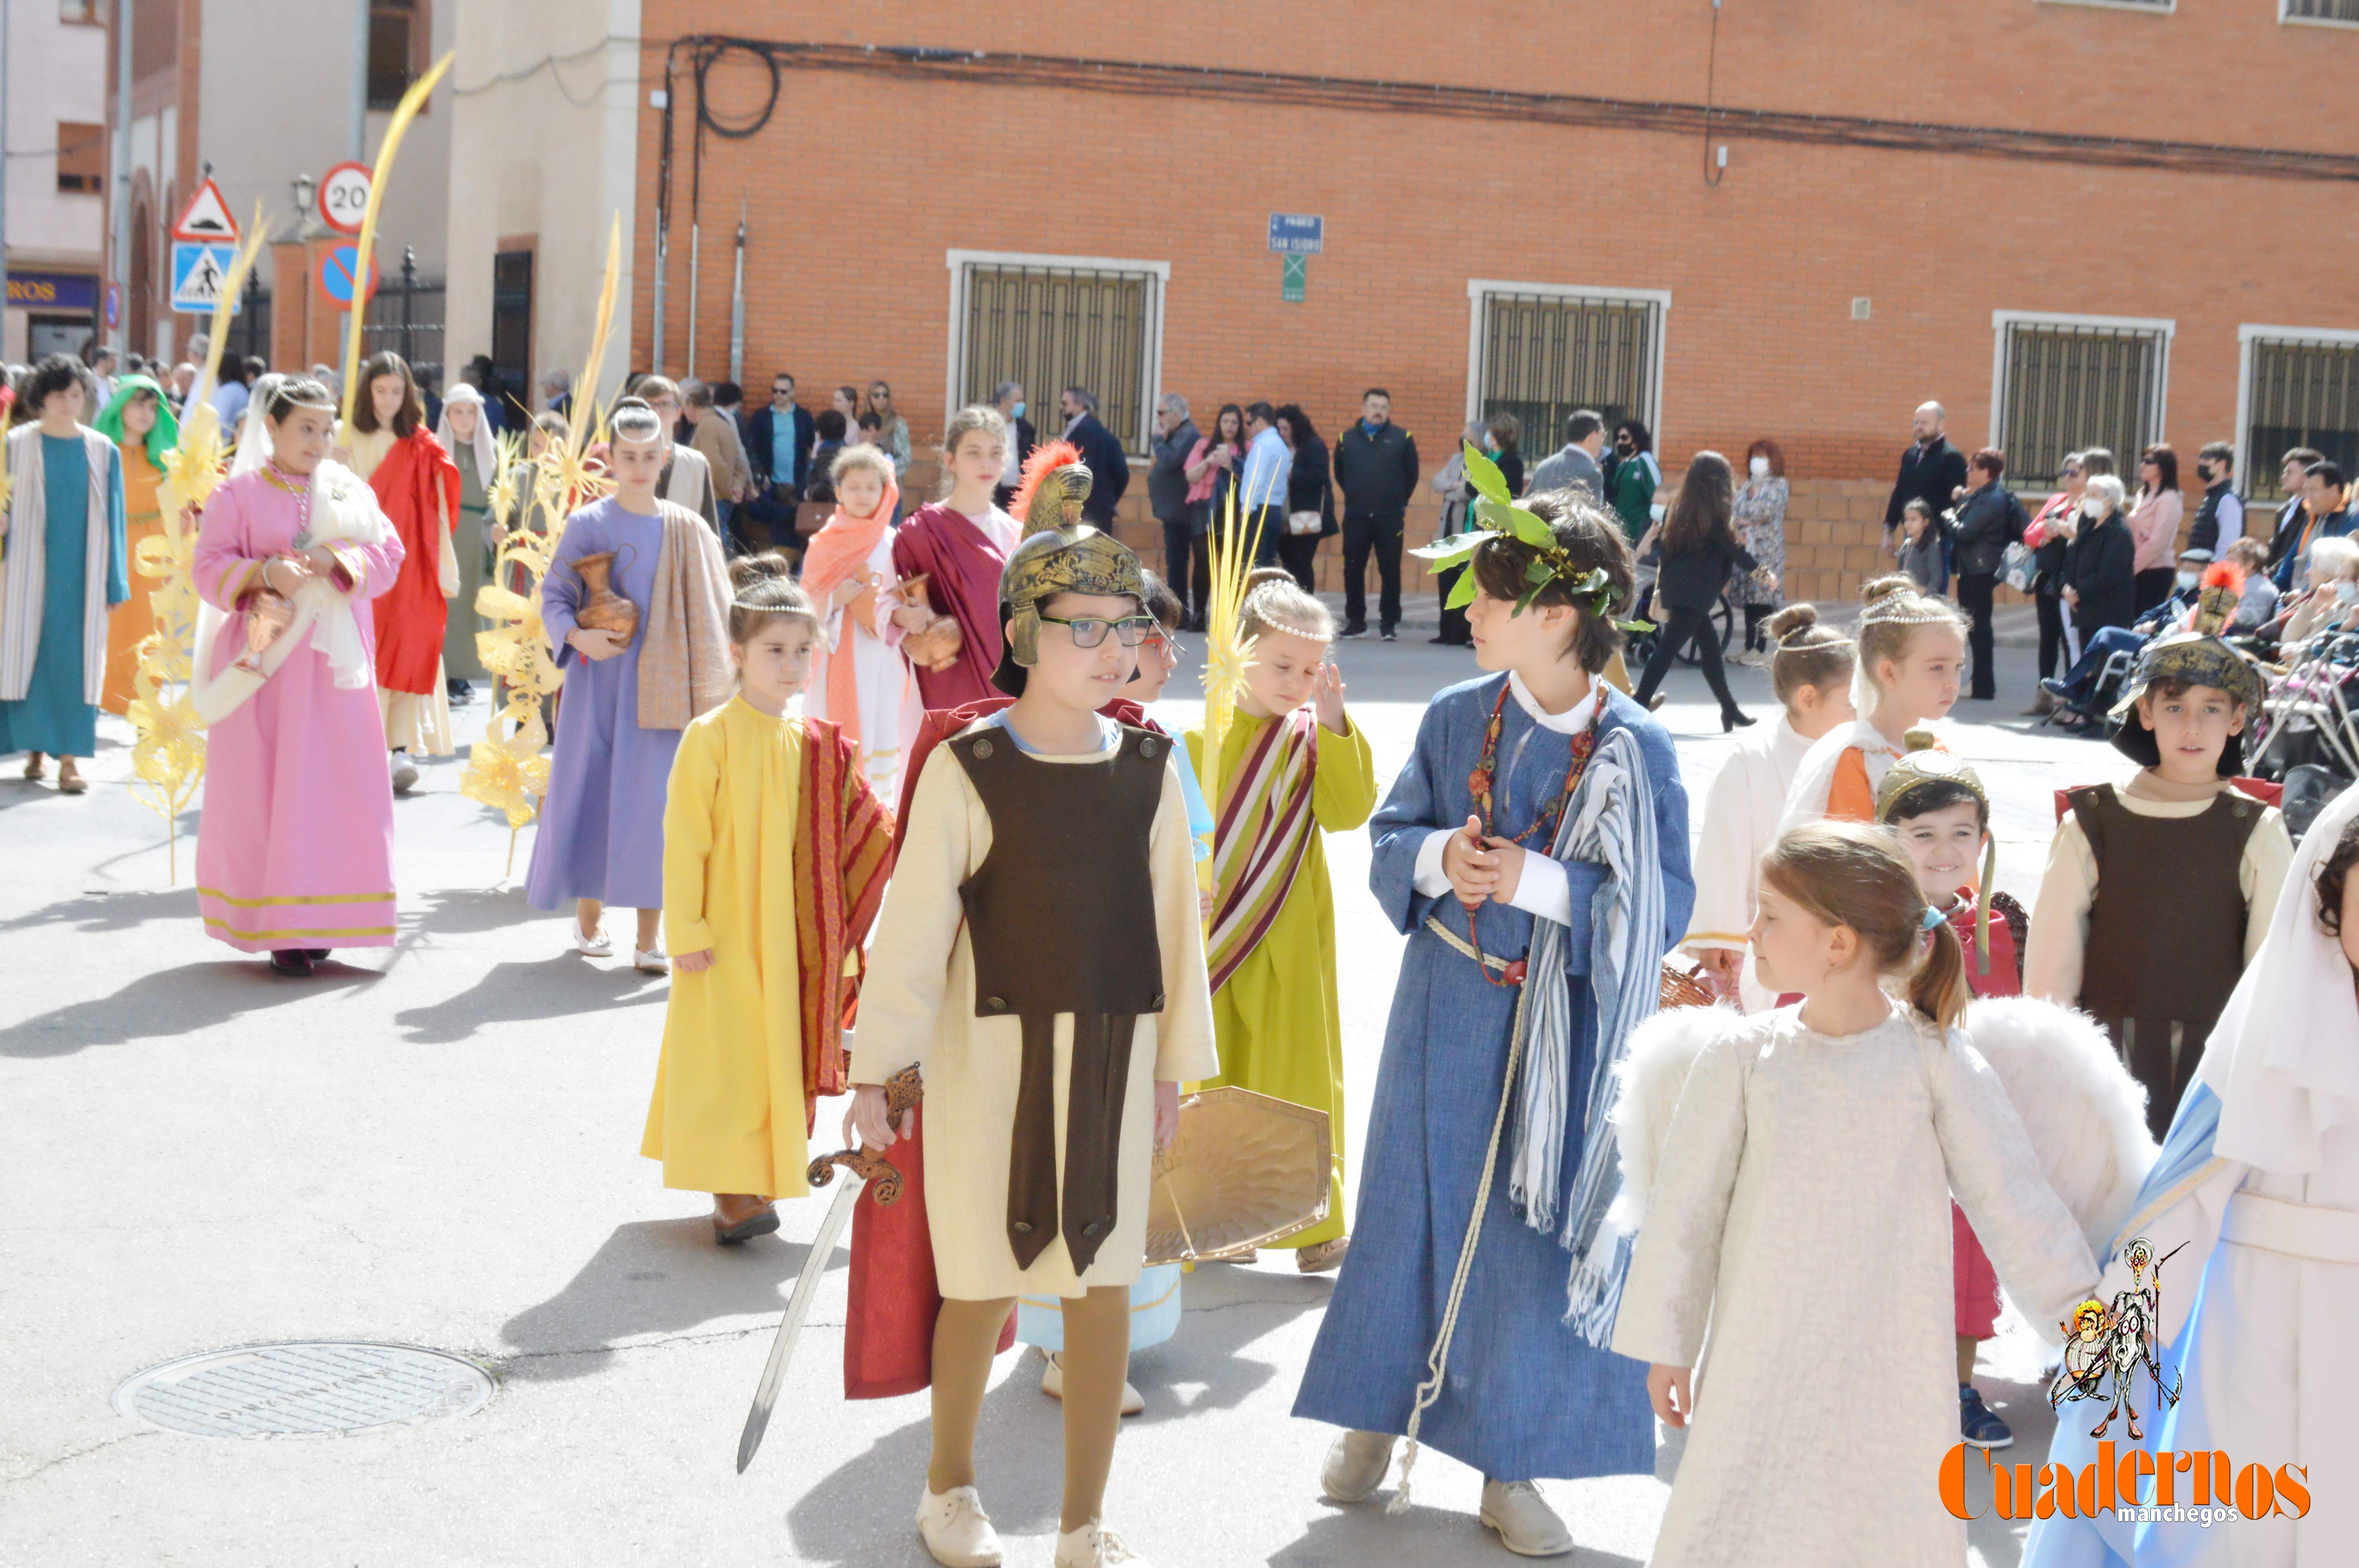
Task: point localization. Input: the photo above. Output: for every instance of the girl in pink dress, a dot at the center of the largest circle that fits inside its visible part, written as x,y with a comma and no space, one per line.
295,849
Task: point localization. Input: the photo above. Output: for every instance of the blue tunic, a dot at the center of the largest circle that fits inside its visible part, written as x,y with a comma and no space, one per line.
54,716
1528,1398
601,826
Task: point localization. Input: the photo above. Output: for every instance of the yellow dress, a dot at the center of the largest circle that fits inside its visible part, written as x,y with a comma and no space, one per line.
728,1113
1280,1024
129,624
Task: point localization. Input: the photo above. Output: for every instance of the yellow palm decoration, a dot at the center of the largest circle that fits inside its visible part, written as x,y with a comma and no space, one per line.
1228,653
168,761
506,769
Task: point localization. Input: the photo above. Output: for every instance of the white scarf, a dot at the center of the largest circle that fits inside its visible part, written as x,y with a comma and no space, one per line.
344,511
24,553
2284,1058
487,457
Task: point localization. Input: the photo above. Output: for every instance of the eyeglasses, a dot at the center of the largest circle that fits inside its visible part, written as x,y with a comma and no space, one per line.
1166,646
1090,630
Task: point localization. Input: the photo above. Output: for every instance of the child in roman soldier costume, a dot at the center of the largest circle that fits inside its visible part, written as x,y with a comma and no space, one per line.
2178,841
1039,956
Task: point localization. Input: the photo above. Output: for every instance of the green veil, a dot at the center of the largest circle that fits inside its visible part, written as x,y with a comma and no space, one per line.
162,438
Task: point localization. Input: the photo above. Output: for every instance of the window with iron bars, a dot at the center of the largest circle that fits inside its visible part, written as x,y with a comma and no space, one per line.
2298,392
2343,11
1545,355
406,316
2064,385
1050,325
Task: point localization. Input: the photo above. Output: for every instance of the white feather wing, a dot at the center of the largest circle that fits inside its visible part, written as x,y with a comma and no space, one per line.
1652,1073
2085,1115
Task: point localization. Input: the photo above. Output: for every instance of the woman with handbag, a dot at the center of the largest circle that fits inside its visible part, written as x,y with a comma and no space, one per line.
1309,497
2043,547
1212,469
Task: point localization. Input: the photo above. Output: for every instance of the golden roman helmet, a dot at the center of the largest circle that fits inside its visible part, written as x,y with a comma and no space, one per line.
1059,554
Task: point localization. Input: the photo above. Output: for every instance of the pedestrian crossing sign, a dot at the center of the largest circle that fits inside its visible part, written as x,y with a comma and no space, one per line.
198,272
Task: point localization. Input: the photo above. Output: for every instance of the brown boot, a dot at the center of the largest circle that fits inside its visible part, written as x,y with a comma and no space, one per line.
741,1217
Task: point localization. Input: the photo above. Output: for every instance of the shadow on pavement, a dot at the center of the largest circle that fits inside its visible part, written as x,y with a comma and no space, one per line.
1349,1537
652,1276
455,912
102,912
1226,1309
185,1001
524,993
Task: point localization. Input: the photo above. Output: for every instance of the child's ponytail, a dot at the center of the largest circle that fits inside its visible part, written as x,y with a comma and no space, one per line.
1937,988
1849,873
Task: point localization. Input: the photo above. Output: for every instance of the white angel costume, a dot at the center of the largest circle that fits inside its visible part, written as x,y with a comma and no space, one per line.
1839,775
1795,1190
2258,1181
1740,822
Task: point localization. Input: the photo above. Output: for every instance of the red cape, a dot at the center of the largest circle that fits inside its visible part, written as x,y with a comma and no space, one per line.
411,614
963,572
888,1337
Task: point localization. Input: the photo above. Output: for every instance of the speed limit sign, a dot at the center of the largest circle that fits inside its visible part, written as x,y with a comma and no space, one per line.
343,197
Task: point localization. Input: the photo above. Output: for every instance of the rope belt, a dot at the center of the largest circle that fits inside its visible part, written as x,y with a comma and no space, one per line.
1509,969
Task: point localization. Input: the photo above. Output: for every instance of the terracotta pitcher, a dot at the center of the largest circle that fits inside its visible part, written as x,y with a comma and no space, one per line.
603,610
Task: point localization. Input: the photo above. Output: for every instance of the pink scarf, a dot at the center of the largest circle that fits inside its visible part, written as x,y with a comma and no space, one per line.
840,550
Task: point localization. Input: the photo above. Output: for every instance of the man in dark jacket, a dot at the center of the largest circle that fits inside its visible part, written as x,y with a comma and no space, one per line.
1931,471
1167,496
2294,516
1102,450
1376,467
1988,520
777,449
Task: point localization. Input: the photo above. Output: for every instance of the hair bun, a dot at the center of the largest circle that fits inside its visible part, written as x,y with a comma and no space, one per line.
768,567
1260,575
1919,740
1877,589
1792,619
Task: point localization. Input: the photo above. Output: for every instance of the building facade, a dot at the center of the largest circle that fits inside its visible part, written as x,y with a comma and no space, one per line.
259,94
2071,223
55,60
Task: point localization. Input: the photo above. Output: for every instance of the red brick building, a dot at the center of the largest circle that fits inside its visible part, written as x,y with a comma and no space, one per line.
2072,223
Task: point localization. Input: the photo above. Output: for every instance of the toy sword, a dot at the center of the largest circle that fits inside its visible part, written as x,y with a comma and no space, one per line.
900,1095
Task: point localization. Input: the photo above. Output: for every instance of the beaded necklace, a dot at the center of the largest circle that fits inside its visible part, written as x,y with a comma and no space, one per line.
1479,783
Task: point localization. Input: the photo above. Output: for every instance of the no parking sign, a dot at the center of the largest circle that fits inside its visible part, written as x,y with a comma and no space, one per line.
339,274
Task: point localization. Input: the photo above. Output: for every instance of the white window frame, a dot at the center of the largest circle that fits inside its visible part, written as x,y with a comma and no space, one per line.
2286,20
2001,321
1479,289
2167,8
2247,334
1135,443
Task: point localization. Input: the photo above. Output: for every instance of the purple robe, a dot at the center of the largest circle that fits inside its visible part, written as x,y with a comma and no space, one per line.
602,825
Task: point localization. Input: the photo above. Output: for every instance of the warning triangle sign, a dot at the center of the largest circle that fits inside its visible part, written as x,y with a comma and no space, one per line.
206,217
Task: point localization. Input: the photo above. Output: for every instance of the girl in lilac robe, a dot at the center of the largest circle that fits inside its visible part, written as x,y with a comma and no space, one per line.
295,849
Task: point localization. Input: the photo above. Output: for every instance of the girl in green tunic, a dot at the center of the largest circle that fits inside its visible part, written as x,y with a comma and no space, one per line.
1293,766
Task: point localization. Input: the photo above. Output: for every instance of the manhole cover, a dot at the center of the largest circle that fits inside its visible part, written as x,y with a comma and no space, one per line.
307,1390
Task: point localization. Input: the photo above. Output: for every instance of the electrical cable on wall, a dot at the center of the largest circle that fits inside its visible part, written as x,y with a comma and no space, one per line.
1712,168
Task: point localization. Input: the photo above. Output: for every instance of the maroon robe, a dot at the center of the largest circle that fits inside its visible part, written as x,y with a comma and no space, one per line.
962,571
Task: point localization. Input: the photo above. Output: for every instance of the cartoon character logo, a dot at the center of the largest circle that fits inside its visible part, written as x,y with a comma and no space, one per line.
2117,1340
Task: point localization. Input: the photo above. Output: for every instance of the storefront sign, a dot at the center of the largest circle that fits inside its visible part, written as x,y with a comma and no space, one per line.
73,291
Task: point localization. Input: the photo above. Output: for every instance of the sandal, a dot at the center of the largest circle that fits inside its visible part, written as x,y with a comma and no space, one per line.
33,770
69,781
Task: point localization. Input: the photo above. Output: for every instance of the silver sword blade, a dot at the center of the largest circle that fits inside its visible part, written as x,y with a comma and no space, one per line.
798,1306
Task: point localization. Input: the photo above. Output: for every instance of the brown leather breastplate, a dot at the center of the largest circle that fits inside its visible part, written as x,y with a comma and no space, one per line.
2166,933
1061,916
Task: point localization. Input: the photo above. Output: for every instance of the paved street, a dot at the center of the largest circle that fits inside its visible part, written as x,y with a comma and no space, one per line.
438,1146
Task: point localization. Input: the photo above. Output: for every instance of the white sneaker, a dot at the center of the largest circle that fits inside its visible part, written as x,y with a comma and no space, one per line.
596,945
653,962
1356,1466
1526,1525
1093,1546
956,1529
405,773
1052,1383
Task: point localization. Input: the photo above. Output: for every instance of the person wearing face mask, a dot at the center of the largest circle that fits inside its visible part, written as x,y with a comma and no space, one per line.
1008,398
1761,526
2083,691
2050,535
2220,519
2100,565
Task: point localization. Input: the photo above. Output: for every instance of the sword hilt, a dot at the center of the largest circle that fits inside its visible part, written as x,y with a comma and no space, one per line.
883,1178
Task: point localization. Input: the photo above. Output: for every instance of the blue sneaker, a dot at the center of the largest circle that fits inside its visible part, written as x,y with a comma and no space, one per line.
1976,1422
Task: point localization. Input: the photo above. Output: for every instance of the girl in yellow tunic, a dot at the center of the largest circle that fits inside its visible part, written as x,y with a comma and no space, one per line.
733,1093
1292,766
138,420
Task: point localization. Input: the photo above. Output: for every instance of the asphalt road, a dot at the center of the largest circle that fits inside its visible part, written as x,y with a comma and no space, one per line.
438,1146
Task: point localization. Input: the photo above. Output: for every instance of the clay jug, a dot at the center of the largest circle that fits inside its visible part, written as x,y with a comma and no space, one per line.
603,610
